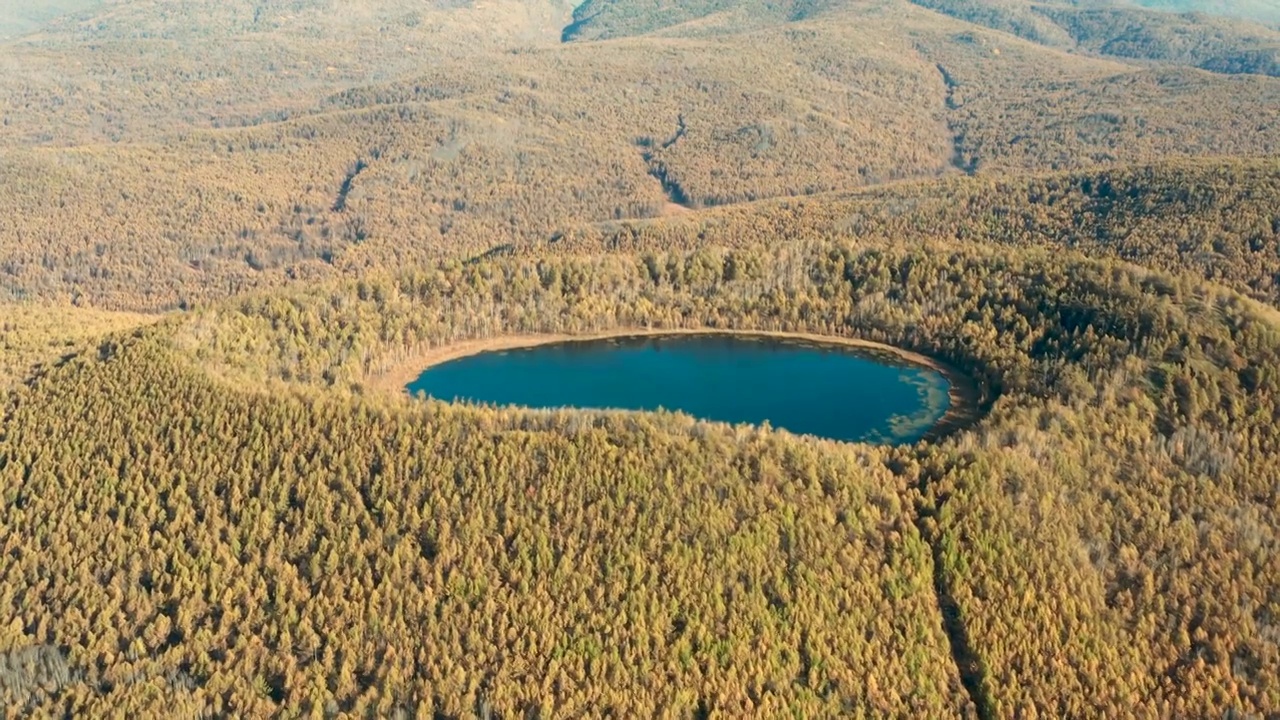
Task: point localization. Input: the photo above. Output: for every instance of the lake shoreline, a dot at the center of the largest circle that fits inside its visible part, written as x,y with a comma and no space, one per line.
963,390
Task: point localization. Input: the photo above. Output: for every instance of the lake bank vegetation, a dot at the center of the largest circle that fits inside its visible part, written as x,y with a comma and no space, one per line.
963,394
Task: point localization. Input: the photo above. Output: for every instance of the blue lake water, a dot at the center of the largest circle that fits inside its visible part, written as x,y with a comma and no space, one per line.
812,388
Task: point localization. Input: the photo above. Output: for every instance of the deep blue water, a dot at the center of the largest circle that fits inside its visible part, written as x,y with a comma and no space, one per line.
827,390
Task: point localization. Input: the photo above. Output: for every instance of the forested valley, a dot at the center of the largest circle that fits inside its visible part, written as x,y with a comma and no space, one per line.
227,229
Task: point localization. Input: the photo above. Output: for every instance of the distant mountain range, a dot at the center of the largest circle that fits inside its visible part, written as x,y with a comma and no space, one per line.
1217,44
18,17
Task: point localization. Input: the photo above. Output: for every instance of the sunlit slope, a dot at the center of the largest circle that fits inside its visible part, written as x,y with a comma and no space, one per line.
471,156
143,189
32,335
1126,464
1215,218
642,564
1186,29
1041,119
150,68
222,515
1066,509
604,19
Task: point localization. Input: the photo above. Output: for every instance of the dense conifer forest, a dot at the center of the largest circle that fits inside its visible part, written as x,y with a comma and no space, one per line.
1071,531
227,228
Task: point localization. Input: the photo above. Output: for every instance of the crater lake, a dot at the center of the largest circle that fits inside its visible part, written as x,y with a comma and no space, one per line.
829,389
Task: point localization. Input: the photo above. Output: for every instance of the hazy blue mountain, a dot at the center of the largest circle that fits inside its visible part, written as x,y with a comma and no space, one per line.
602,19
1267,11
18,17
1219,44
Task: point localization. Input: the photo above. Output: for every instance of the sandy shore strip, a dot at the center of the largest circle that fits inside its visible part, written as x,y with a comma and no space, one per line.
963,409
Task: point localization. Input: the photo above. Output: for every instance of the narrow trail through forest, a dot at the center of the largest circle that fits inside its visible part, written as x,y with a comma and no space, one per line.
966,660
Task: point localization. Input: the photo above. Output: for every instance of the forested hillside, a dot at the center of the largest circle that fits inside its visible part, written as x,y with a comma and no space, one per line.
33,337
1217,44
300,157
605,19
1260,10
227,229
1196,40
1103,407
1220,219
